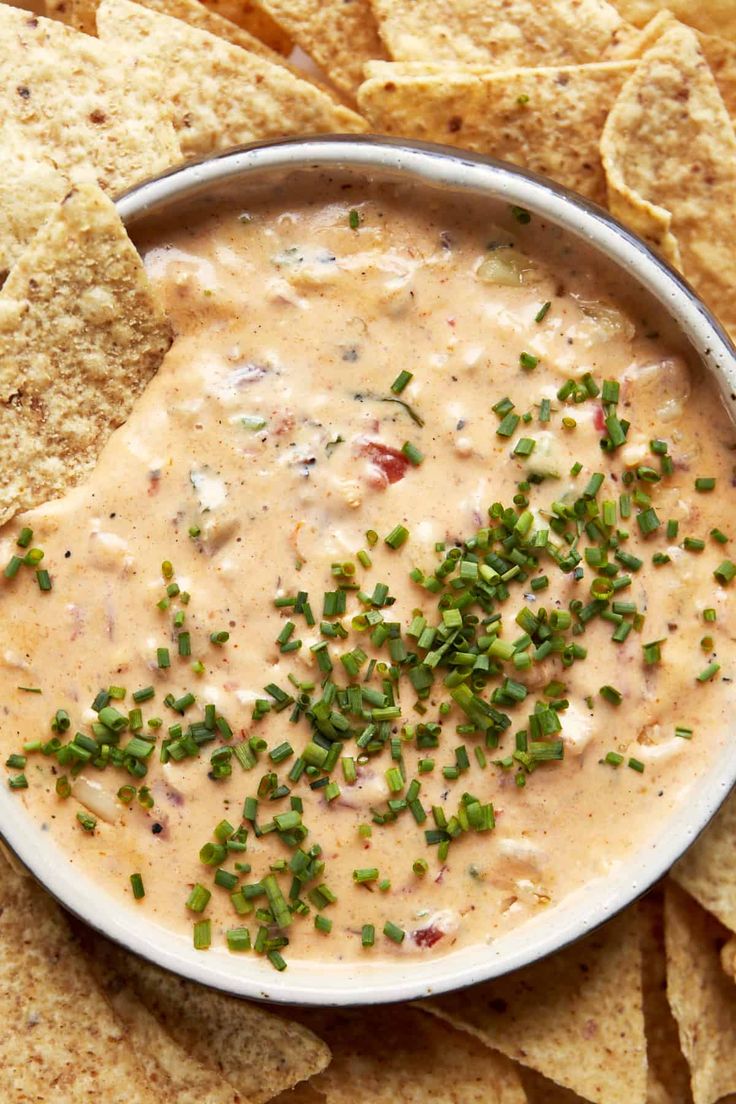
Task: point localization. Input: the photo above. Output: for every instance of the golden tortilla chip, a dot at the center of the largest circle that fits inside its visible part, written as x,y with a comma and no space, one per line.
264,36
720,53
668,1073
71,111
708,869
502,35
399,1054
259,1052
339,35
728,957
220,95
547,119
61,1043
80,336
575,1017
176,1075
715,17
702,998
669,153
540,1090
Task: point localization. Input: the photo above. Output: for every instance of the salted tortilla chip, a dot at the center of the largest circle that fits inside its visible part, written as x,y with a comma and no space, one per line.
61,1043
262,34
702,998
177,1075
669,153
575,1017
546,119
715,17
339,35
502,34
708,869
80,336
402,1054
668,1075
220,95
720,53
540,1090
728,958
71,111
259,1052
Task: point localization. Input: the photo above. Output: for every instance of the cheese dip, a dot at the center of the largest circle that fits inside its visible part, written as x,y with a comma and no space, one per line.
398,610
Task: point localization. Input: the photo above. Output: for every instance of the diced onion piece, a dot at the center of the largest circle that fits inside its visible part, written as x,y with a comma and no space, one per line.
95,798
504,267
611,321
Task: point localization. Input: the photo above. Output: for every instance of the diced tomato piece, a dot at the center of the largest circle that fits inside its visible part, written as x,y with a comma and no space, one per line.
427,937
598,421
388,460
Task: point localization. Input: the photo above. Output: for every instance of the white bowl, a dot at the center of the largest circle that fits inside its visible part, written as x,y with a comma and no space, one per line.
372,981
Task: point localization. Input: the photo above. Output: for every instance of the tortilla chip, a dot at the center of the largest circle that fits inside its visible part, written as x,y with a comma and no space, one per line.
575,1017
702,998
503,35
251,16
220,95
403,1055
669,153
80,336
728,958
61,1042
720,53
547,119
339,35
249,1047
300,1094
539,1090
248,16
71,112
708,869
668,1073
715,17
176,1074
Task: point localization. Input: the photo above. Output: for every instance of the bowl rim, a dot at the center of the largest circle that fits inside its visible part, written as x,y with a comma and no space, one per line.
314,983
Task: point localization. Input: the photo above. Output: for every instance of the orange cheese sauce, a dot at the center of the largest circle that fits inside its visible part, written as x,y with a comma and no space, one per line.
271,433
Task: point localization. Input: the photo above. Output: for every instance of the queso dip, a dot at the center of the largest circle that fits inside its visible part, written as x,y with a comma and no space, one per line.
398,610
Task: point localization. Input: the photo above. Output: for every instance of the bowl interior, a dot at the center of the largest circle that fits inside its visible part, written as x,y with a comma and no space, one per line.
229,176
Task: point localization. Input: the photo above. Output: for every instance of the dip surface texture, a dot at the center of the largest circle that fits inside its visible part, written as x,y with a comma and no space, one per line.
267,448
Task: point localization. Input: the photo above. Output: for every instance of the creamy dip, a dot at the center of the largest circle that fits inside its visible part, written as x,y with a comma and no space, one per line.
441,734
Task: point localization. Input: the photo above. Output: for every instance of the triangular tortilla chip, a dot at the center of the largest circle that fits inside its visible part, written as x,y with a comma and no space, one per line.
61,1042
669,153
84,18
175,1073
702,998
247,15
400,1054
258,1051
715,17
502,34
546,119
339,35
575,1017
720,53
668,1073
69,104
708,869
220,95
80,336
540,1090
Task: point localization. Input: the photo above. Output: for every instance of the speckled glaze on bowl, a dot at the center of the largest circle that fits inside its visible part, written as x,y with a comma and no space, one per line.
371,981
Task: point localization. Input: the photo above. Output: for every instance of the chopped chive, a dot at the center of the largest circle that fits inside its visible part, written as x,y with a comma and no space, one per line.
542,312
615,697
613,759
354,219
636,764
198,899
220,637
162,658
136,884
705,483
412,453
401,381
238,939
528,361
709,672
394,932
202,935
368,935
398,536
